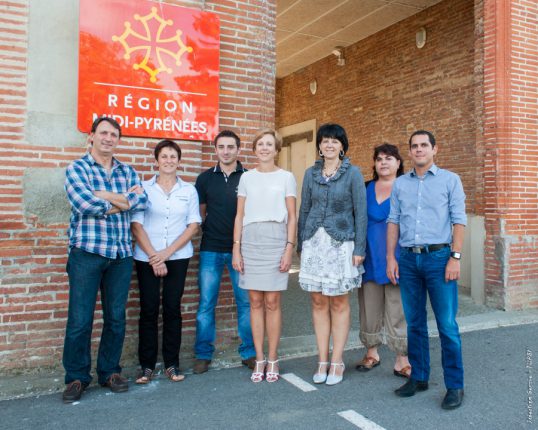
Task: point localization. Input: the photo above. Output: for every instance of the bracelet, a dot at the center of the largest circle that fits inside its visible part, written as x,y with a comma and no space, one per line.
291,243
237,241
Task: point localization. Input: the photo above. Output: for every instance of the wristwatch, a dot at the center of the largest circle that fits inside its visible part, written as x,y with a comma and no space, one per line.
455,255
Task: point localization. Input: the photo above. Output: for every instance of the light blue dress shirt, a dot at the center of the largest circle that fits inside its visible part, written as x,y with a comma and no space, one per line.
167,217
427,207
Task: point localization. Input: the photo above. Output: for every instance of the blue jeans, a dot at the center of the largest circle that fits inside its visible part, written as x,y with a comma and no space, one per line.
209,278
421,274
87,274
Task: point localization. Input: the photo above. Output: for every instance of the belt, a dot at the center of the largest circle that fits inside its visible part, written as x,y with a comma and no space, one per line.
425,249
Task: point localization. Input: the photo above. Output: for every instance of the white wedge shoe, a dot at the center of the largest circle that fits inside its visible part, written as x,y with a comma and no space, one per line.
333,378
320,377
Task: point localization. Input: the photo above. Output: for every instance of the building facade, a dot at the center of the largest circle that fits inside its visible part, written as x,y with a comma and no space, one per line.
474,84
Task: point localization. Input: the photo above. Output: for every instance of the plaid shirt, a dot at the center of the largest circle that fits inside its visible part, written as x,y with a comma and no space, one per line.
91,229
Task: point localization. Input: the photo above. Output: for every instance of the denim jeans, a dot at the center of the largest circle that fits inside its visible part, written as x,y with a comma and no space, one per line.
209,279
422,274
87,274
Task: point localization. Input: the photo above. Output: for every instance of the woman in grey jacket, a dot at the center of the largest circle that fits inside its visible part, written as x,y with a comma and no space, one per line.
332,242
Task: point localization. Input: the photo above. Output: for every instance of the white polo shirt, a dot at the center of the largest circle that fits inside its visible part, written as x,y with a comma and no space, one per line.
167,217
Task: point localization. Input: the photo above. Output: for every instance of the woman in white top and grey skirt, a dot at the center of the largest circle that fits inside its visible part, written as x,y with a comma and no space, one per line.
264,236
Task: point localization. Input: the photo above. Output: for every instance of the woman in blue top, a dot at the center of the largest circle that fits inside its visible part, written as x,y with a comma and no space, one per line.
380,304
332,242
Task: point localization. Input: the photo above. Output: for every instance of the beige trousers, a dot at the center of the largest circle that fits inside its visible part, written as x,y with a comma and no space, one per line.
380,306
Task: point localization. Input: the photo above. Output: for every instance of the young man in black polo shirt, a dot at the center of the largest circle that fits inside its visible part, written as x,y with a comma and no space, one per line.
217,190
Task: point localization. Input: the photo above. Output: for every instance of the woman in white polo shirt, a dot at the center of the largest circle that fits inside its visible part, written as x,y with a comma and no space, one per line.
163,234
264,236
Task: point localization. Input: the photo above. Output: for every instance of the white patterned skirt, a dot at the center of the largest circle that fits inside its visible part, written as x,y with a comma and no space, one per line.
327,266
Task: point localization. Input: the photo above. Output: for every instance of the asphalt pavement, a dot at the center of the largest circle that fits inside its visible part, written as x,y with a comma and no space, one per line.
500,393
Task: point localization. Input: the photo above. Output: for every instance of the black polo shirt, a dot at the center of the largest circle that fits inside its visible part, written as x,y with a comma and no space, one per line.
219,193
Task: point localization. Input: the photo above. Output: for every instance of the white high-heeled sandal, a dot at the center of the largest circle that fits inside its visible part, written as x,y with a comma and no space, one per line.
271,375
257,376
333,378
320,377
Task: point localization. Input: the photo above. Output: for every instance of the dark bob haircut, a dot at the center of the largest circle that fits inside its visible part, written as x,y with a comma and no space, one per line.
332,131
111,121
392,150
167,144
430,135
228,133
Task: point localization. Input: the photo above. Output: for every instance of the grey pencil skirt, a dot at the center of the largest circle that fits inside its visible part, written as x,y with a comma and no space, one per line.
262,246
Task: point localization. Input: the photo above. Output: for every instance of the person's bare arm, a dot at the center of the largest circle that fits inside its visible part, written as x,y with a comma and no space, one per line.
237,258
143,241
142,238
393,271
163,255
285,260
453,266
203,211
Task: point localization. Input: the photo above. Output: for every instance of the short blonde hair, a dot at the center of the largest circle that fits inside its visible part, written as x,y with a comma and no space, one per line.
270,131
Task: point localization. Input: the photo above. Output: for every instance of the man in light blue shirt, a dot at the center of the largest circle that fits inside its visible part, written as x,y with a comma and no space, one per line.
428,216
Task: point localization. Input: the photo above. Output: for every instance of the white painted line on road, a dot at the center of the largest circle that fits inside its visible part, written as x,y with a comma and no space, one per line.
359,420
293,379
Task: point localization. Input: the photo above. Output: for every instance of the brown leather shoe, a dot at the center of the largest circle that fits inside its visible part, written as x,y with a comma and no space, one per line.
201,366
73,391
367,363
116,383
249,362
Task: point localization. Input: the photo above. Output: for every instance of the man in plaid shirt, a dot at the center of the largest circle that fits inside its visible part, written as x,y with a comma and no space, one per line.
103,192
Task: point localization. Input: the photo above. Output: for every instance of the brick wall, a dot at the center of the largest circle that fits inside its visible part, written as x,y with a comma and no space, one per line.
511,157
475,85
33,284
389,88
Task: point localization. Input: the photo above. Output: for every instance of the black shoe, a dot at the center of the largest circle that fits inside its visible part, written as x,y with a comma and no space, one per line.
411,387
201,366
453,398
73,391
116,383
249,362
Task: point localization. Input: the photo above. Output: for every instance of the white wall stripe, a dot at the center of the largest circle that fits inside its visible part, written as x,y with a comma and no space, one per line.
360,421
293,379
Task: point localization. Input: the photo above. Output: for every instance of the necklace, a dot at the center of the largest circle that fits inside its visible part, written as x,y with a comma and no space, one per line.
327,174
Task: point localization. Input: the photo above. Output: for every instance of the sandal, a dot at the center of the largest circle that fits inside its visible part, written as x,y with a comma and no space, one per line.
145,377
259,371
173,374
272,376
320,377
404,372
367,363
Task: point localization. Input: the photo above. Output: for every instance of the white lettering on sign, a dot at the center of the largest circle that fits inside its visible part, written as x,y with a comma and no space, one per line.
128,101
145,103
153,124
112,100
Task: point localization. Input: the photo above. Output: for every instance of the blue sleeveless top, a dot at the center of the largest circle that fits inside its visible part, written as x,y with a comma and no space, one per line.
375,263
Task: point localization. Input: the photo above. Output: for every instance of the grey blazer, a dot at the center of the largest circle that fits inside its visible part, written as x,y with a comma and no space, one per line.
338,205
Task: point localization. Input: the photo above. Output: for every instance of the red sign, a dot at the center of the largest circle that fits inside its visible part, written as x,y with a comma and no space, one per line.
151,66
